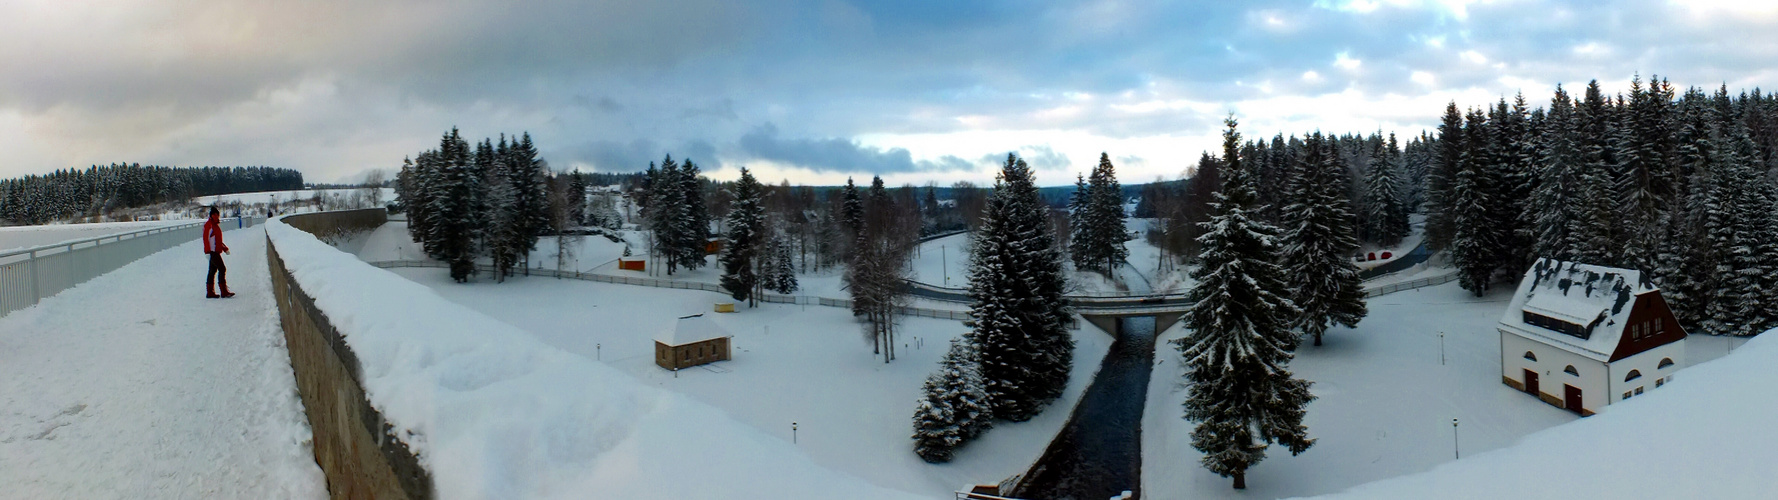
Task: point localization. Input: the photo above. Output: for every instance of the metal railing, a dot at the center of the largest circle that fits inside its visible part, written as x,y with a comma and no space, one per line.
30,275
811,300
1410,284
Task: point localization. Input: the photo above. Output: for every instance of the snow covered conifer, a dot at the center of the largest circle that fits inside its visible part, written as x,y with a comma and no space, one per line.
1317,241
666,204
501,235
1552,199
741,252
696,218
453,210
1472,241
1385,213
851,210
954,408
1105,203
1015,288
783,267
1079,224
1242,394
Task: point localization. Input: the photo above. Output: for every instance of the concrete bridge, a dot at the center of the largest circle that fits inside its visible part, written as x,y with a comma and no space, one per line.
1103,311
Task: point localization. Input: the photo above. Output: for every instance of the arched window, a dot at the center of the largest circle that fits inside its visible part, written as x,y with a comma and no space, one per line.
1571,371
1530,356
1665,362
1634,374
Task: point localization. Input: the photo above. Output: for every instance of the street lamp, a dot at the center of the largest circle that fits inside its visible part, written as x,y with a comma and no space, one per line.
1455,449
793,433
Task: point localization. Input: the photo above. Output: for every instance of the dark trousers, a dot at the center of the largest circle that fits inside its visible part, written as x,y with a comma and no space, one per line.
218,272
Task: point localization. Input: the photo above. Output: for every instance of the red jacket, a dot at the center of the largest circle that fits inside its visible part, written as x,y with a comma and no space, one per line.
213,237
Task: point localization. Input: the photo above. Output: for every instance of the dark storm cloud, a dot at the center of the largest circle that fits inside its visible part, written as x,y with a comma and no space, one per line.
838,155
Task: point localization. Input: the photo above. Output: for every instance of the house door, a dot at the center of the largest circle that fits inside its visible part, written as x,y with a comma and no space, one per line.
1531,382
1571,396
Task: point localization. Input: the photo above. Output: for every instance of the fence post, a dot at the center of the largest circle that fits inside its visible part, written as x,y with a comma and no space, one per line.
35,296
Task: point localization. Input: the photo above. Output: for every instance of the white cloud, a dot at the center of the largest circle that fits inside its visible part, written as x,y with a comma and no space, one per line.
1344,60
1473,57
1422,78
1311,76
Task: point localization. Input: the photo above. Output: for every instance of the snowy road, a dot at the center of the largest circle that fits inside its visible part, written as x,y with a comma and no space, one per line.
133,385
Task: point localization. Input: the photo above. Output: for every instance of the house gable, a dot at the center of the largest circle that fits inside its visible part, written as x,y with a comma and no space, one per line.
1650,325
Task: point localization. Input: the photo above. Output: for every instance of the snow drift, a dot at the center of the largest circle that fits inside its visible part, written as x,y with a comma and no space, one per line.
1707,434
494,413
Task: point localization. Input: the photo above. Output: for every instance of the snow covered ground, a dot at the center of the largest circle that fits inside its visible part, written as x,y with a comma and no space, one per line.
808,365
133,385
803,364
496,412
1385,402
1707,434
21,237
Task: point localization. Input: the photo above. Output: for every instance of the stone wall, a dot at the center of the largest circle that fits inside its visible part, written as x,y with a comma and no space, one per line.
353,445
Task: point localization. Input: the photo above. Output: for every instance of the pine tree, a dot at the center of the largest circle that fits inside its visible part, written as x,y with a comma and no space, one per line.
1440,227
530,196
741,251
1385,213
1472,248
1105,204
1242,394
665,212
1594,224
851,210
453,210
783,267
1017,311
1080,232
696,223
1317,241
955,406
503,226
1553,203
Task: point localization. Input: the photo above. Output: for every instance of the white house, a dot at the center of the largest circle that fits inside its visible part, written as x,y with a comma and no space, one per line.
1581,337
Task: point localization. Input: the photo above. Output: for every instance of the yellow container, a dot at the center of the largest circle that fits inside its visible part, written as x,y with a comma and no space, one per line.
725,307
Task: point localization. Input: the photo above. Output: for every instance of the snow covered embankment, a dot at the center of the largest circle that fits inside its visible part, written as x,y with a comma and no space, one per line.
1707,434
494,413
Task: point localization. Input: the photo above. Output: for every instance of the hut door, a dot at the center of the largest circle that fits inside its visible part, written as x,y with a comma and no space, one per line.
1571,395
1531,382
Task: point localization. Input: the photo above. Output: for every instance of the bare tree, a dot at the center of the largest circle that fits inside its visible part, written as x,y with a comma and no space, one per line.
372,193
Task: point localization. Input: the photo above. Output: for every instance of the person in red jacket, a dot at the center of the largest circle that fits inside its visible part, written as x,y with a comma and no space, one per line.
213,246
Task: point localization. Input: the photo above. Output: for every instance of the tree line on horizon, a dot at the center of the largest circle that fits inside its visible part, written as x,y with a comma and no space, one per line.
103,190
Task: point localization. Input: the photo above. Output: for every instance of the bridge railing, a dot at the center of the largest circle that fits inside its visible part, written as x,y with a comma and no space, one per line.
30,275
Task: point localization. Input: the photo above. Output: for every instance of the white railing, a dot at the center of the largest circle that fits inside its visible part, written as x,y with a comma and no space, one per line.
810,300
30,275
1410,284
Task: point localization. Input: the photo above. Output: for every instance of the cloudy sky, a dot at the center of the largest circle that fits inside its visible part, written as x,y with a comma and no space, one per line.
806,90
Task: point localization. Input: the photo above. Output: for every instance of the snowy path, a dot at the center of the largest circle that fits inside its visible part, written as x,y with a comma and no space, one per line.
133,385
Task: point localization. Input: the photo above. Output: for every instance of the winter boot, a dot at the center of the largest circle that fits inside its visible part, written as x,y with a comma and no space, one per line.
225,292
210,291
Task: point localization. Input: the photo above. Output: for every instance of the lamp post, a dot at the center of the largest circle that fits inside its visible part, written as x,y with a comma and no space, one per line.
1441,348
793,433
598,351
1456,450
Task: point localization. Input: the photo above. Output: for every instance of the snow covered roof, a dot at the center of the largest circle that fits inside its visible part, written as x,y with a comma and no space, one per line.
1593,301
691,329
